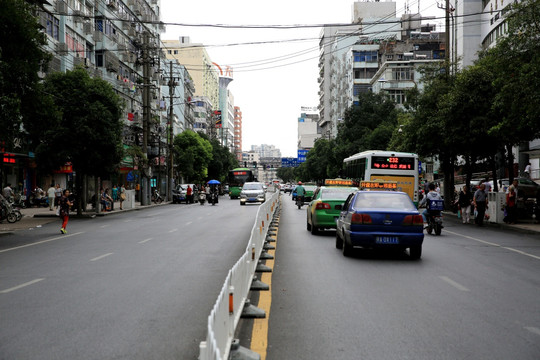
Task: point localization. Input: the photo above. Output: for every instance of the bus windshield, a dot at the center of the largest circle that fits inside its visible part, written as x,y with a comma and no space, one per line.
237,178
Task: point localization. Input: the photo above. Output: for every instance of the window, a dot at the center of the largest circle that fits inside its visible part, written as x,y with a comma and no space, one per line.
100,58
398,96
175,52
53,27
402,73
169,52
366,56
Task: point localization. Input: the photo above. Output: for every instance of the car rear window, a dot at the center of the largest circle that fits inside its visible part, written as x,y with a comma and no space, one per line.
383,200
336,194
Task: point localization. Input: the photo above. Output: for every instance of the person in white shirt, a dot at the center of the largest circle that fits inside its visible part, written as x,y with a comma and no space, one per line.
528,171
51,194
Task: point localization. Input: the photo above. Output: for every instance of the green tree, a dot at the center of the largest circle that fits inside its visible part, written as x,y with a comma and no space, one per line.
516,66
222,161
87,131
367,126
320,161
429,131
286,174
192,155
21,57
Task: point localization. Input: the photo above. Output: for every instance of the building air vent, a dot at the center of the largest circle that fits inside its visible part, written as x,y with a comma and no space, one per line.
61,8
62,49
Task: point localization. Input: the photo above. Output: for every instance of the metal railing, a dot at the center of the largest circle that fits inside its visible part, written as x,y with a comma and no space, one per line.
227,310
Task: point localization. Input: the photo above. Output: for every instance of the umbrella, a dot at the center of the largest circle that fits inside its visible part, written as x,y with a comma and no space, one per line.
213,182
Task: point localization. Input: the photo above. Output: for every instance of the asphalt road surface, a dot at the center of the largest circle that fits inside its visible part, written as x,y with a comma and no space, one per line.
475,294
137,285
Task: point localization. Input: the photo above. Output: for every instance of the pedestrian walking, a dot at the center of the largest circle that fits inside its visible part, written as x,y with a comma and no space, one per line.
464,203
115,193
64,205
480,202
51,194
57,194
122,192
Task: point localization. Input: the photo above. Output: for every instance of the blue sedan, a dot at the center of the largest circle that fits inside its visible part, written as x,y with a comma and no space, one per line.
380,219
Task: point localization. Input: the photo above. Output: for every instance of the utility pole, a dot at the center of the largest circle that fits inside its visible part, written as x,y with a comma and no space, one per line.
171,132
145,181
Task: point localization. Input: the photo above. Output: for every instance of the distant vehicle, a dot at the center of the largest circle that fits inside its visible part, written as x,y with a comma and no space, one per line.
286,188
308,195
380,219
237,178
324,209
179,194
526,187
375,165
252,192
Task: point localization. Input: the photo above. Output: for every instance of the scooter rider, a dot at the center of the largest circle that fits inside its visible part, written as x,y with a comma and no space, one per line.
300,192
431,195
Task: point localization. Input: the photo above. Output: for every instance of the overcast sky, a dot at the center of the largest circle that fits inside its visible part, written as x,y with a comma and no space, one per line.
272,80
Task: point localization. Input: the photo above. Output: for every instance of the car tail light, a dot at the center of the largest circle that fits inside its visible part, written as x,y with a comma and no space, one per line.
415,220
361,219
322,206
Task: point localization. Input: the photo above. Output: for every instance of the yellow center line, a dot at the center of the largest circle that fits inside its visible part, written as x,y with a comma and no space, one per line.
259,334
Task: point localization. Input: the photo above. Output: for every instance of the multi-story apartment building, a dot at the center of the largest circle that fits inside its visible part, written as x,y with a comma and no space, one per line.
238,133
308,131
109,38
199,64
202,115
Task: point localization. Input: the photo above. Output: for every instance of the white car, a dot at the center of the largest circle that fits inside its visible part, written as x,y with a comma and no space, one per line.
252,192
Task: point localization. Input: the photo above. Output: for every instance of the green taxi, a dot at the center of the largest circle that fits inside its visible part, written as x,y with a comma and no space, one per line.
325,207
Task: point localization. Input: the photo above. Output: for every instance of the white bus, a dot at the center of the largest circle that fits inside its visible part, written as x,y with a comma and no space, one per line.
374,165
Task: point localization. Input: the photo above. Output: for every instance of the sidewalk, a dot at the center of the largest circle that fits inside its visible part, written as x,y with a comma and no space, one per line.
529,226
37,217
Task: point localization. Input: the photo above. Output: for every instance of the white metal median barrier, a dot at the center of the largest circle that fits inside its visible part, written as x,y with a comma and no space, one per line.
228,308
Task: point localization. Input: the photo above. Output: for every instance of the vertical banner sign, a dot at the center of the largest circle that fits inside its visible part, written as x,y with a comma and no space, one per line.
217,117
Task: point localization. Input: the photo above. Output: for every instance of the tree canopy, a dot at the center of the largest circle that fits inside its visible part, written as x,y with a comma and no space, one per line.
87,131
22,55
192,154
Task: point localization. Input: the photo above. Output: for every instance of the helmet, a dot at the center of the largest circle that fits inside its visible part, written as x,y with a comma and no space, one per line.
299,183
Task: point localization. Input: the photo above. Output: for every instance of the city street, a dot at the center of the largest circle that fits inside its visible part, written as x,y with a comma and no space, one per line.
141,284
135,285
473,295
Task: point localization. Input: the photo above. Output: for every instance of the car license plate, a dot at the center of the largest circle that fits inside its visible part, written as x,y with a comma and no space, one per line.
252,199
386,240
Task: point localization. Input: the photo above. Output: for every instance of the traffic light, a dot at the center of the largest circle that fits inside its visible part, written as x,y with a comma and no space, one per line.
255,164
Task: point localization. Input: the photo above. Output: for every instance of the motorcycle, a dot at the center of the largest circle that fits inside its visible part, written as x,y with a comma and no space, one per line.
19,201
202,198
213,197
299,201
38,198
434,216
156,197
7,212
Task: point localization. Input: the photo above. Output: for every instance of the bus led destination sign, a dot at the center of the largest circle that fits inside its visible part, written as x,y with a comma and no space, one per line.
393,163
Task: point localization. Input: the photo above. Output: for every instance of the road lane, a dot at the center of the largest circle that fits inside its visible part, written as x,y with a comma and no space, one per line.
138,285
464,299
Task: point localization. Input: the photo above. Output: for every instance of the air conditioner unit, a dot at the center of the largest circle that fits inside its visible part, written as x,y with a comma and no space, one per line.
97,36
62,49
61,8
81,61
88,28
